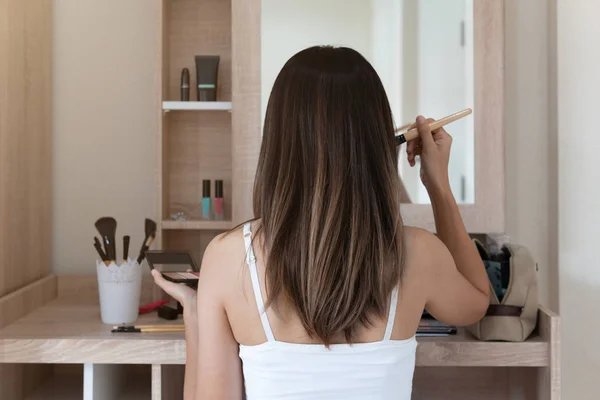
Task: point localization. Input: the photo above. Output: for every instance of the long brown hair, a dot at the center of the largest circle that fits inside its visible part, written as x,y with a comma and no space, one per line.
327,192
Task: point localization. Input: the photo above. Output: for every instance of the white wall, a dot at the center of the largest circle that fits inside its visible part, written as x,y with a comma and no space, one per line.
386,51
104,123
578,52
552,87
288,26
531,215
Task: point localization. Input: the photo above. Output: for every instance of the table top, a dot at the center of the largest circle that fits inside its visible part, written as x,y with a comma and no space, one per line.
66,332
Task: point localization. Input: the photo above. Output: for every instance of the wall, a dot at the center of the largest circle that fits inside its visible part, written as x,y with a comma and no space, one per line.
309,23
531,173
105,123
578,66
552,83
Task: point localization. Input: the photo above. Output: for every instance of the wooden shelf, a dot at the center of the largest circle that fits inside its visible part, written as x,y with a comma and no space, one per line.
196,105
197,225
65,331
59,387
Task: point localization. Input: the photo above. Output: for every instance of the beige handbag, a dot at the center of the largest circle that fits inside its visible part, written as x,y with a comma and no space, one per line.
514,318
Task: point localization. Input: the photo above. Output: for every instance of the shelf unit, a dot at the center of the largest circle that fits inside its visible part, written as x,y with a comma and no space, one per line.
204,142
197,225
64,383
196,106
95,381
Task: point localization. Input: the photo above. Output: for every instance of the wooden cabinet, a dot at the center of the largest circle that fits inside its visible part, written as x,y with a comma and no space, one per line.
25,168
25,142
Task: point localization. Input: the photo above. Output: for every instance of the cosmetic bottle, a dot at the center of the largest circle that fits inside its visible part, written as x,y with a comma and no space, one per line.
185,85
207,68
206,199
218,201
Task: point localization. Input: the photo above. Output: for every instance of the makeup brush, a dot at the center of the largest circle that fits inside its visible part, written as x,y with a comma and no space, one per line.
126,247
414,133
107,226
174,326
98,244
102,255
149,329
150,229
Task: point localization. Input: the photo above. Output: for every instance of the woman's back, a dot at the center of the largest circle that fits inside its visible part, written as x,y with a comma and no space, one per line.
279,369
280,360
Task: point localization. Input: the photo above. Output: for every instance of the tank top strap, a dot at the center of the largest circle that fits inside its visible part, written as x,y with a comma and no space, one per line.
251,261
391,315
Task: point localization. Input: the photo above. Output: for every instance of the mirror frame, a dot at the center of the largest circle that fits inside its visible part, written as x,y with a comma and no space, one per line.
486,215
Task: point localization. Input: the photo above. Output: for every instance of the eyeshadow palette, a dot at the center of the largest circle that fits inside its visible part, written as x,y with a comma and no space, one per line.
175,266
180,276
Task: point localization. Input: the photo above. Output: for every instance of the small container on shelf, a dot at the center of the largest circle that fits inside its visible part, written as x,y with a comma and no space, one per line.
185,84
119,287
218,201
206,214
207,68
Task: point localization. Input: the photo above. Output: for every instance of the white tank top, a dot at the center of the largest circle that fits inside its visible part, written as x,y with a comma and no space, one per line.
278,370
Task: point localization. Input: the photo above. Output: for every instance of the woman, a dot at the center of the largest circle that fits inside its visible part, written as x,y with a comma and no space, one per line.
343,281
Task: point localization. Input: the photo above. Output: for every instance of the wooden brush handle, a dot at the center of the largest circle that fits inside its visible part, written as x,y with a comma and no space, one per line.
414,133
164,330
173,326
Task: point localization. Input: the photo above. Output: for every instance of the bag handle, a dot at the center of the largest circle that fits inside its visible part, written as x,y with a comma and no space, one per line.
503,310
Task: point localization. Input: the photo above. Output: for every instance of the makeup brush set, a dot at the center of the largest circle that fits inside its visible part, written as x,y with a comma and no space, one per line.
107,248
119,278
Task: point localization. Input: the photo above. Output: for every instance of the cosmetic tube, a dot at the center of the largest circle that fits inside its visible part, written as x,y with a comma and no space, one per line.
185,84
207,68
206,199
218,201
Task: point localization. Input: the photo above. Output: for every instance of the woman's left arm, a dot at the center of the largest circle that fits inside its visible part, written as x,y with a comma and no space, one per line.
219,368
213,368
190,317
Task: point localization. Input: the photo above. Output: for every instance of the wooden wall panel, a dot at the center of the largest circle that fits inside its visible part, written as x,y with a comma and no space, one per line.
25,174
465,383
246,135
198,147
83,289
198,28
25,142
25,300
18,380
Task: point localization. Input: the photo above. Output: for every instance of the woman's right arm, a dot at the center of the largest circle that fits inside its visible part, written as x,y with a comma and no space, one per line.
457,281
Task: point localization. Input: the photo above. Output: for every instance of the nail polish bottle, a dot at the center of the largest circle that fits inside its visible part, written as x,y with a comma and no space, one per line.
218,200
206,199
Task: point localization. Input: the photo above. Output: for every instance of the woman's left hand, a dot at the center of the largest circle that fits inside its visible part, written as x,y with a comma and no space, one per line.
179,291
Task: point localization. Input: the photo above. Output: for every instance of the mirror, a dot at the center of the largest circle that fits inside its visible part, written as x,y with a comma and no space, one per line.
421,49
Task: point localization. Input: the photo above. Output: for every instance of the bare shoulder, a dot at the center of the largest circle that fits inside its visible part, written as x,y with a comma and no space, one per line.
225,253
424,251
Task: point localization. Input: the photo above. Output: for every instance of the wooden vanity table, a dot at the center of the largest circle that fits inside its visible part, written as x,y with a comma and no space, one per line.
87,361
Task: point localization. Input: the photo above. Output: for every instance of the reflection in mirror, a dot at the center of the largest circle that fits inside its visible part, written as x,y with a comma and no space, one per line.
421,49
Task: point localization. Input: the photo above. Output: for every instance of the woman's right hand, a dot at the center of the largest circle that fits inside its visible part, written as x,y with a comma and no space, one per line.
434,150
